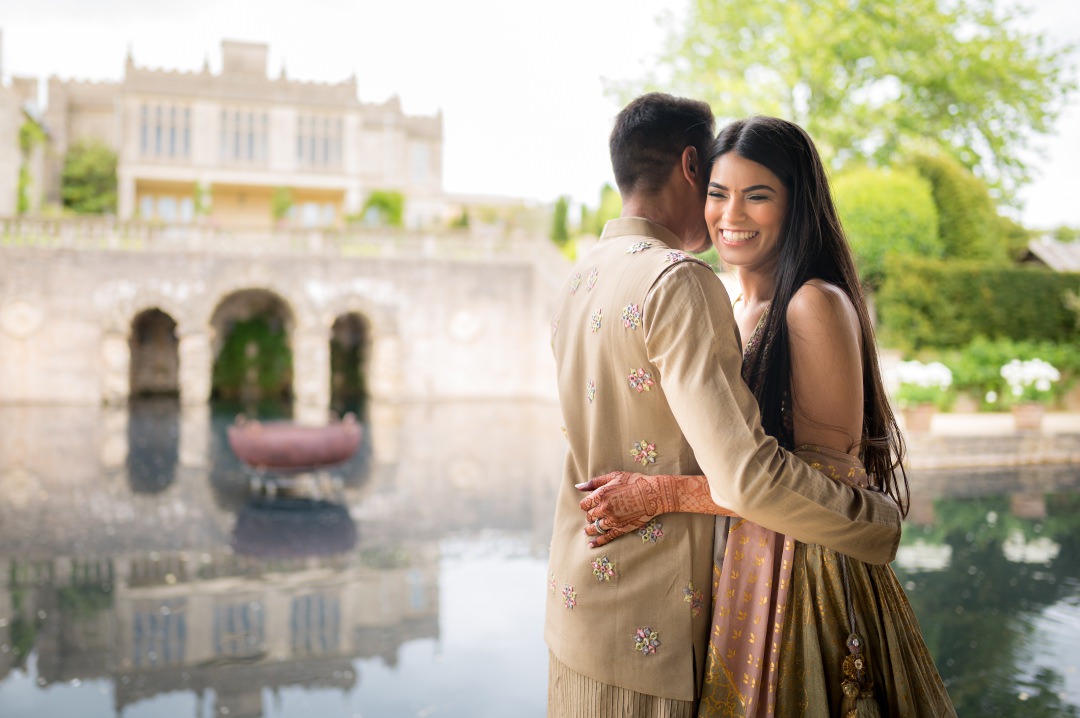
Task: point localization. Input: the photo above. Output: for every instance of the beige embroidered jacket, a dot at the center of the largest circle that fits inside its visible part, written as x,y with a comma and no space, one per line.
649,374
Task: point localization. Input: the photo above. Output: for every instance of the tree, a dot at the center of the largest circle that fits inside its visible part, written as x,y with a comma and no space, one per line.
968,221
31,136
610,207
886,213
385,208
88,180
281,202
560,233
867,77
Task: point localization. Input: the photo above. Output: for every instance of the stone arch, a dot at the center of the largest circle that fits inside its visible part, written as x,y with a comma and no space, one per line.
350,351
251,345
382,364
120,305
155,354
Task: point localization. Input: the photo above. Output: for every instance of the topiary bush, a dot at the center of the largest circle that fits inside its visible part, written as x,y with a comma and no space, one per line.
886,213
968,222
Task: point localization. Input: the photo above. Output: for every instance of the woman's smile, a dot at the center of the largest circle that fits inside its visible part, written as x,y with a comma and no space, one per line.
737,236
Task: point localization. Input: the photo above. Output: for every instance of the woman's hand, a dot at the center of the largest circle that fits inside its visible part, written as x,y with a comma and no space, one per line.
622,501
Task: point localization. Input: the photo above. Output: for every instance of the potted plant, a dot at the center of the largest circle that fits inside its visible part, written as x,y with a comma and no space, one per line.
922,388
1031,384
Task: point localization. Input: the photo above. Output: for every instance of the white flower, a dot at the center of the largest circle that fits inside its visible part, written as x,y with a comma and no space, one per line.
934,374
991,396
1036,373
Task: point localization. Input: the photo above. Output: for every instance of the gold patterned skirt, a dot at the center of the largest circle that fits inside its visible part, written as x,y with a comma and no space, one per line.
900,676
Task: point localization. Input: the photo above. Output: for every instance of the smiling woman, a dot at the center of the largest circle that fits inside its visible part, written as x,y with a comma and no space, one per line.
745,211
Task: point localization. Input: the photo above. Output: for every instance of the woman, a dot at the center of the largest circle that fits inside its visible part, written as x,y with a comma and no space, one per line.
799,629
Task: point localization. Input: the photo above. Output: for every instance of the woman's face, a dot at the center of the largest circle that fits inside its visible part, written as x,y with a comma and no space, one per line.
745,211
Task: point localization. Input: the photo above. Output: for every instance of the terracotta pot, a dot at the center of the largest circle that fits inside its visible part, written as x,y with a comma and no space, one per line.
1028,416
917,418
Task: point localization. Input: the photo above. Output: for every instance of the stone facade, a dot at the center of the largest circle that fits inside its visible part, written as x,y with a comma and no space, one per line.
445,315
195,145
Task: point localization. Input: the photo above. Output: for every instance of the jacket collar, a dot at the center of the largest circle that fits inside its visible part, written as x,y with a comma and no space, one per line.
639,227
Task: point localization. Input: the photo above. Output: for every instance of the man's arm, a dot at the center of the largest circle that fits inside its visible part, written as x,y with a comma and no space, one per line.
691,339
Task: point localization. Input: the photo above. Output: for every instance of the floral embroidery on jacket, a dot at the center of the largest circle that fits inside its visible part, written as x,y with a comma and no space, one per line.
643,452
575,282
569,596
638,247
646,641
694,598
595,320
677,255
651,532
593,275
551,583
640,380
631,316
604,569
590,390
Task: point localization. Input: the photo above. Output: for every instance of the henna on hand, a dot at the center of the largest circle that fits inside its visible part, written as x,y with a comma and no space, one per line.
625,501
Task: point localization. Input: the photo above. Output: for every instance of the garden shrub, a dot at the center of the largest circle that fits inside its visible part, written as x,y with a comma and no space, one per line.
886,213
927,303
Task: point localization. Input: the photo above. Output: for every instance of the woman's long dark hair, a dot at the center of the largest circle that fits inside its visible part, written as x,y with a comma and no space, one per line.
812,245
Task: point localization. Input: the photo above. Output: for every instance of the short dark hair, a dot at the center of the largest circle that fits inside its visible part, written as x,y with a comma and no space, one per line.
650,135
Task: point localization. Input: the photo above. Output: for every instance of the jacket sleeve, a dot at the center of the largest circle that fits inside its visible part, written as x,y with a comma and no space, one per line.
692,340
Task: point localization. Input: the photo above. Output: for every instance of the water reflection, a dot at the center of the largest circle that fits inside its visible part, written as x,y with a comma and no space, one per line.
139,574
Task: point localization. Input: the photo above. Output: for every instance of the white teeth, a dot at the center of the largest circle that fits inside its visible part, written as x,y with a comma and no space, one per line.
733,236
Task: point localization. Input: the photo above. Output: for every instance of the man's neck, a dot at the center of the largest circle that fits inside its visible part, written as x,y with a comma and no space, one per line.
657,213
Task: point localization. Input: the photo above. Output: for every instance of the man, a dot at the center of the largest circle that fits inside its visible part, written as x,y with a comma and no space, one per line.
649,372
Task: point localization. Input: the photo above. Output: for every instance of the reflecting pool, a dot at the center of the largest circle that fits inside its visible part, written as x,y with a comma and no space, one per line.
143,574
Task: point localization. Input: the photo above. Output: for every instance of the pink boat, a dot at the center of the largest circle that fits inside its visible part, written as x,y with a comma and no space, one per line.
287,447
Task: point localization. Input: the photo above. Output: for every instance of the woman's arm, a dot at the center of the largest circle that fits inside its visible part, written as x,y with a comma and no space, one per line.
826,368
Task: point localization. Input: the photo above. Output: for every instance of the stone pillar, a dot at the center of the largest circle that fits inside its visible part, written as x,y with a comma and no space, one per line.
125,196
311,374
385,379
114,444
196,365
354,200
116,367
195,436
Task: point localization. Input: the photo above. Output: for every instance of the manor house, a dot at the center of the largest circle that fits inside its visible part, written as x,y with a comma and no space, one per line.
238,147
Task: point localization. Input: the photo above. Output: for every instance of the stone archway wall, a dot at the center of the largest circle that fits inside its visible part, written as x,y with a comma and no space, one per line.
440,327
383,365
237,309
124,302
154,347
202,342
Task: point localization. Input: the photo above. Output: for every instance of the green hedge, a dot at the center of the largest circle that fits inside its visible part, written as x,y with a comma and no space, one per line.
926,303
968,221
886,212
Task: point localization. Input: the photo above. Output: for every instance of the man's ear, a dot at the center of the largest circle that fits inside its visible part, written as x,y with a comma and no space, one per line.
691,165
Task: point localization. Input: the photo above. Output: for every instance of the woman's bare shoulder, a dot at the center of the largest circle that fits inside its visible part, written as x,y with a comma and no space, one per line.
818,305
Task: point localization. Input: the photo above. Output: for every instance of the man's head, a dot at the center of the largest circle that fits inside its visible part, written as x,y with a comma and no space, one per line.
659,150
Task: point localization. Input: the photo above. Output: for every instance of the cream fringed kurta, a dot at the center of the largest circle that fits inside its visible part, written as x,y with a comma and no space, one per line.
648,363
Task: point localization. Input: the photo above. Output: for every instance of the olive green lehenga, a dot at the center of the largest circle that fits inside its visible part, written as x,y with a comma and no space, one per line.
799,630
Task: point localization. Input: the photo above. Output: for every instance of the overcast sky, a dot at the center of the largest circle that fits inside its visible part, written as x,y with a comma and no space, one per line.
520,84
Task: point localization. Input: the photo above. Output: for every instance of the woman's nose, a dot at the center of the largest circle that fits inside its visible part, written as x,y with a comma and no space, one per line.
733,209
